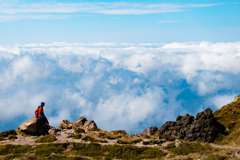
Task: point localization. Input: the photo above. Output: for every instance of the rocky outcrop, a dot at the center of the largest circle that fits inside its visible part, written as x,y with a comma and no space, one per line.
33,127
9,132
204,129
150,131
83,124
65,124
178,128
236,98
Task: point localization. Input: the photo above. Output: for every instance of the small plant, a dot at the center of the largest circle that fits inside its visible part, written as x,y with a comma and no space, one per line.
169,138
128,142
1,137
146,136
119,132
91,139
11,137
46,139
77,136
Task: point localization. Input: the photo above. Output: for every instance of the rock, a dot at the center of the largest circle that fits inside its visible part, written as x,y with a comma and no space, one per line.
33,127
9,132
150,131
80,130
177,143
83,123
53,155
53,131
65,124
237,154
70,135
236,98
204,129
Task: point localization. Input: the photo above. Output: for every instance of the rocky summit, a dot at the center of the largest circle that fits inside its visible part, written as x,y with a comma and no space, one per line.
82,139
204,128
32,127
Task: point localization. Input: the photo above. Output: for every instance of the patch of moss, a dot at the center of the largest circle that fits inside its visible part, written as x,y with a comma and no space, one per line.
169,138
216,157
43,150
119,132
91,139
14,149
11,137
1,139
46,139
132,152
129,142
77,136
187,148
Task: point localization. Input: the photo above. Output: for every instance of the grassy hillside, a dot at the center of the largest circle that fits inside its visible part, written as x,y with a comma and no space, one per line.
229,116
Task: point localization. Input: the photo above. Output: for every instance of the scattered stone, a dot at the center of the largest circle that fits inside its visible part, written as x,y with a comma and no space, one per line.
150,131
83,123
53,155
54,131
177,143
65,124
33,137
33,127
237,154
70,135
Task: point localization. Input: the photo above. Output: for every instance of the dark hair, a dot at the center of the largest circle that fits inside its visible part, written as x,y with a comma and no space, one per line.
42,103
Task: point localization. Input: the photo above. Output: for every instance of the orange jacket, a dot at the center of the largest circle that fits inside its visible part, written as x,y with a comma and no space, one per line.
39,112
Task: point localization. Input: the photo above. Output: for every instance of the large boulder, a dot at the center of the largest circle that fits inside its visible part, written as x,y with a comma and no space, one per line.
150,131
65,124
83,124
204,128
177,129
33,127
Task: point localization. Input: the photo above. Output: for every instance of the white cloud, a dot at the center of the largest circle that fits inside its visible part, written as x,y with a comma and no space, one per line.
120,86
17,10
220,100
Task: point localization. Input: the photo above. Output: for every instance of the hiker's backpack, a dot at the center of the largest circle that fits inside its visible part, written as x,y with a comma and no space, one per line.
37,113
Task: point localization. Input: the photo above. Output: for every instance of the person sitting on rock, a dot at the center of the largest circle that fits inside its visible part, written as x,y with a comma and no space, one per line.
39,113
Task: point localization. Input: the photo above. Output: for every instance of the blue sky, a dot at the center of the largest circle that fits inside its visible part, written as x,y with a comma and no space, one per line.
126,64
119,21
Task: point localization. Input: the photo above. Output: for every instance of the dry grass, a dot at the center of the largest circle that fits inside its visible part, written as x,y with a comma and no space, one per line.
229,116
46,139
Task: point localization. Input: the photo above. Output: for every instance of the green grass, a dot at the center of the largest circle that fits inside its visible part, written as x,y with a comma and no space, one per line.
132,152
91,139
46,149
187,148
169,138
216,157
119,132
78,151
11,137
129,142
46,139
77,136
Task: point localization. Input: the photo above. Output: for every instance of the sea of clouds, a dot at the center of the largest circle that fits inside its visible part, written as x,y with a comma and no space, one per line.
120,86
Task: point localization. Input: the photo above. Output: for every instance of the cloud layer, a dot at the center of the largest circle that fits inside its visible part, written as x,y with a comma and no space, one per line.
120,86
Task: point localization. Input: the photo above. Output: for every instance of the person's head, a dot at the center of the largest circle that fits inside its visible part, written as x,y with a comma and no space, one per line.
42,104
